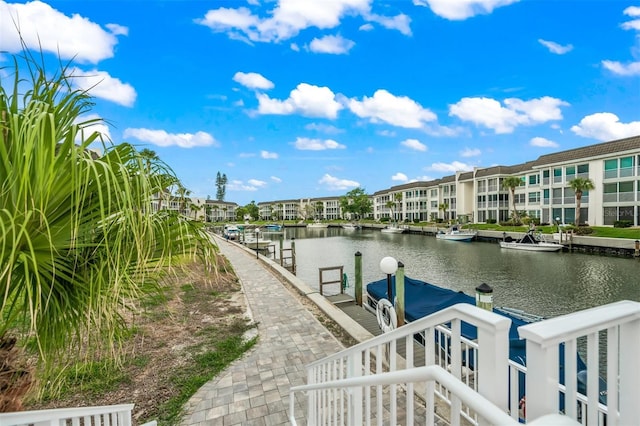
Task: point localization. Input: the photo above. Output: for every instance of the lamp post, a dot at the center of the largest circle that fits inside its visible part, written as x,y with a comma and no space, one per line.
389,266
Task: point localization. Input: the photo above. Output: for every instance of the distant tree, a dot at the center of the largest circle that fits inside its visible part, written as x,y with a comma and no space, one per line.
216,210
397,199
511,183
183,197
253,210
356,202
221,186
444,207
391,205
207,212
307,211
579,186
240,212
319,209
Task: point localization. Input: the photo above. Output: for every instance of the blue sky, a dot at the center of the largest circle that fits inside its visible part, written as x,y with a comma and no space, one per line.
307,98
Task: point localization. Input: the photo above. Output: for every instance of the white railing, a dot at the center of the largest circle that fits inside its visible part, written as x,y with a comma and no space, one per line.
610,335
349,405
111,415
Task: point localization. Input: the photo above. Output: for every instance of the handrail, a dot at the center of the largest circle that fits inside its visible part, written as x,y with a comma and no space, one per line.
54,416
571,326
463,311
483,407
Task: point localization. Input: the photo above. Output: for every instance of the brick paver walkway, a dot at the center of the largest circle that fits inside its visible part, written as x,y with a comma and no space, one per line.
254,390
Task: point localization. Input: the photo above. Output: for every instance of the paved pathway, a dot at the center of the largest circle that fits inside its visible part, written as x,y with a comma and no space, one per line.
254,390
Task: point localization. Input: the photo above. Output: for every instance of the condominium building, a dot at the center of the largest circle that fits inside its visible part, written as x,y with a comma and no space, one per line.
545,193
479,196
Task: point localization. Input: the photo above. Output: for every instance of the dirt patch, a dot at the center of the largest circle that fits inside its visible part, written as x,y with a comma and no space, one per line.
194,310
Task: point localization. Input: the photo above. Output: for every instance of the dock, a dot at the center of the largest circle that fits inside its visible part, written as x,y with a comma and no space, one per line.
347,304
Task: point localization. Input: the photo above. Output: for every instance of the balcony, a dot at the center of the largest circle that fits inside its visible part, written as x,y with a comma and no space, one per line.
611,174
626,171
569,200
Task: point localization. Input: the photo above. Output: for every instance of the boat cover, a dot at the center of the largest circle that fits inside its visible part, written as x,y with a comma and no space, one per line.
422,299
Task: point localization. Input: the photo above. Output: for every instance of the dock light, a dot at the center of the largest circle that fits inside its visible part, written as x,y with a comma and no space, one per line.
389,266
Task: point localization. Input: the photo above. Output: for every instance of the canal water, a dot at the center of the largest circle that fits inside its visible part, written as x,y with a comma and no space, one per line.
546,284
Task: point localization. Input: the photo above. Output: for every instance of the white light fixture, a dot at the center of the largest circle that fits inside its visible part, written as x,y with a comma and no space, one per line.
388,265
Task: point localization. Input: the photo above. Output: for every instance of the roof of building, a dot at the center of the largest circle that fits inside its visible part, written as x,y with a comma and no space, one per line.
613,147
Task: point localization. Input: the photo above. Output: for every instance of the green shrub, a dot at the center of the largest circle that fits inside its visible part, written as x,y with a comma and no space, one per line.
622,224
491,221
583,230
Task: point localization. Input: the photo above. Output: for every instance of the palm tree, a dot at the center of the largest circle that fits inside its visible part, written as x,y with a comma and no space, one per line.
79,240
511,183
391,205
444,207
579,185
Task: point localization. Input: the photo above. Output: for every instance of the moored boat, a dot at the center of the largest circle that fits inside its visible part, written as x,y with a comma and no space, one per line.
393,229
530,242
351,226
272,227
456,233
318,225
231,232
423,299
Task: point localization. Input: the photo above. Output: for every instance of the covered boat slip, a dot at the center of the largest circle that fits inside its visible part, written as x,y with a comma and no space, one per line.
423,299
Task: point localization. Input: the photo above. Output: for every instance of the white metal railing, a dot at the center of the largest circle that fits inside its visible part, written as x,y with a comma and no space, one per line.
610,335
425,343
111,415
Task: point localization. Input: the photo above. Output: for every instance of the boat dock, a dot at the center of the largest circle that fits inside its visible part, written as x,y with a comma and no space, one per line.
366,319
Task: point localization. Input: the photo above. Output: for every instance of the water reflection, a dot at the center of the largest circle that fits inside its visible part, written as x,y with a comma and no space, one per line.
547,284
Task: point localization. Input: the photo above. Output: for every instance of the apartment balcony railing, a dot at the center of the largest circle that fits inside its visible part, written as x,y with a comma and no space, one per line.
626,197
583,175
545,181
569,200
557,200
504,204
611,174
493,188
546,201
534,202
492,204
557,179
482,205
626,171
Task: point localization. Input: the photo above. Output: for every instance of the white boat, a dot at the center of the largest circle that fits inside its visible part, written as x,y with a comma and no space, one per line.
530,242
455,233
393,229
318,225
251,242
231,232
351,226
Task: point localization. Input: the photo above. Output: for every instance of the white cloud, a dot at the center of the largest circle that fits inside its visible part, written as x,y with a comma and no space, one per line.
414,144
324,128
450,167
462,9
334,183
366,27
306,99
307,144
257,183
543,143
295,47
268,155
335,45
288,18
101,85
398,111
238,185
470,152
400,177
632,68
276,179
632,11
162,138
399,22
246,155
88,130
44,28
490,113
605,126
387,133
555,47
252,80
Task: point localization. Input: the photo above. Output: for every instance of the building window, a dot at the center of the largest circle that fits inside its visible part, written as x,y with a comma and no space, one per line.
534,197
626,166
557,175
545,177
534,180
583,171
610,169
570,173
520,198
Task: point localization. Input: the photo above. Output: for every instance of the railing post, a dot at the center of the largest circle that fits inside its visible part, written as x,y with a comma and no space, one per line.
630,373
355,402
400,294
541,387
358,285
493,371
